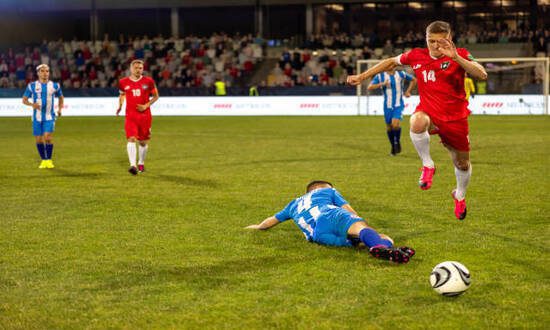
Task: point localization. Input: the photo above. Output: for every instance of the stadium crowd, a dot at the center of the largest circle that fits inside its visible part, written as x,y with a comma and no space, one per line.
187,62
198,61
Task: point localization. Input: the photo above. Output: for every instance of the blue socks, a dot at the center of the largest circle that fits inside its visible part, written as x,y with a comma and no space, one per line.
41,150
397,135
390,136
49,151
394,135
371,238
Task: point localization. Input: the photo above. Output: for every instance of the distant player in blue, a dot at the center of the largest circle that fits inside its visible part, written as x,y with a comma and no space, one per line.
392,84
42,93
326,218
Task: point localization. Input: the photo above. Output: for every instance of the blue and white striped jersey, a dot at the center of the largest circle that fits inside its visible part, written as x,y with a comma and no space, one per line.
306,209
43,94
393,94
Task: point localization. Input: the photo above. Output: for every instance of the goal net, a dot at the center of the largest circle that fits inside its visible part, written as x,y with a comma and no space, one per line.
514,86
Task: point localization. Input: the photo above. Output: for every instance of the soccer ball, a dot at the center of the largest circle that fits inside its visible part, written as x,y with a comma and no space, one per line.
450,278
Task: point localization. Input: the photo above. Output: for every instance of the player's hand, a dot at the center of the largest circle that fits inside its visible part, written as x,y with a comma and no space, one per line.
118,111
36,106
142,107
252,227
407,94
447,48
353,80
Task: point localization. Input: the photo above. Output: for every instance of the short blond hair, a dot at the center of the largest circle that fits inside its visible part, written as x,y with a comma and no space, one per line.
438,27
136,62
43,65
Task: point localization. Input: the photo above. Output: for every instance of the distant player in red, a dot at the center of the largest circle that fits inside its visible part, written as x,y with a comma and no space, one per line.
443,107
137,90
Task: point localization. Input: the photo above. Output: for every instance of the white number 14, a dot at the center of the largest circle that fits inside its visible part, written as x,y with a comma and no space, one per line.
430,75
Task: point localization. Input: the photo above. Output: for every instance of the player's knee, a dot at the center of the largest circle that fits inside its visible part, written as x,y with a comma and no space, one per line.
419,123
132,139
462,164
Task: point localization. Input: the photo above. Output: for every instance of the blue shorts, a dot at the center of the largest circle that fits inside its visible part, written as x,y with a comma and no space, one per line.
393,113
41,127
332,226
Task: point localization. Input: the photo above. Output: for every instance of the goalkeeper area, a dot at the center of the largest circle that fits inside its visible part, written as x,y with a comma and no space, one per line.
515,86
86,245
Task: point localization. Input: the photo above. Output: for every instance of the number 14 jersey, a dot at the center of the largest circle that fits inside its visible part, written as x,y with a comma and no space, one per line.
440,83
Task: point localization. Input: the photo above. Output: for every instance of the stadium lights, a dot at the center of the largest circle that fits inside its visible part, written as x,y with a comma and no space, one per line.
335,7
454,4
416,5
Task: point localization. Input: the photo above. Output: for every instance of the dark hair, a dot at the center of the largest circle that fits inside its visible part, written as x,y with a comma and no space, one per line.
438,27
315,183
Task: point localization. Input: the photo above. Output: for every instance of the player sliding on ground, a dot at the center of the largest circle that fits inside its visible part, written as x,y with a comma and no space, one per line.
326,218
443,108
137,90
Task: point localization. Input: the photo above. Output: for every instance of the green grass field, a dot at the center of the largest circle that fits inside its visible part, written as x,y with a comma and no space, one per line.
86,245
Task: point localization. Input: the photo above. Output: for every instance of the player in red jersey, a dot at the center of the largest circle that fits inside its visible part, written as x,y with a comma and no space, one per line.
443,107
137,90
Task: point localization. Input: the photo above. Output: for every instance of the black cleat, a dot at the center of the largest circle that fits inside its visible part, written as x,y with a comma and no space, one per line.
393,151
392,254
398,148
409,251
133,170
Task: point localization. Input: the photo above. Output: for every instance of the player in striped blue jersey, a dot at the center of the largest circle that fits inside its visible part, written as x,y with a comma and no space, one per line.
40,96
392,84
326,218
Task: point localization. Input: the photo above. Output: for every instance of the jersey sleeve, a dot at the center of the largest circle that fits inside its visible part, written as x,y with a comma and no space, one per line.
376,79
58,91
284,214
121,87
28,91
464,53
406,57
152,86
338,199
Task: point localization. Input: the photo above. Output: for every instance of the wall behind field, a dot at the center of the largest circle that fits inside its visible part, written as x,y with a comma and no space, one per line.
279,106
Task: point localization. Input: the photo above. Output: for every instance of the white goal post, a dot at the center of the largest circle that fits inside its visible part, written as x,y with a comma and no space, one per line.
518,85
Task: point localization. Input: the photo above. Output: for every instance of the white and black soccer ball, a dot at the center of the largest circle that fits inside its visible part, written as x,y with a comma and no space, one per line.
450,278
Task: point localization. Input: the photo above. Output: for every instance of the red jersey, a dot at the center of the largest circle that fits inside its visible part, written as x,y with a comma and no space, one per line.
440,83
136,92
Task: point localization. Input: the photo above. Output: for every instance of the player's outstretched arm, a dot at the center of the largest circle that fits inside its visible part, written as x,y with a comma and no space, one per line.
410,88
266,224
33,105
121,98
60,106
385,65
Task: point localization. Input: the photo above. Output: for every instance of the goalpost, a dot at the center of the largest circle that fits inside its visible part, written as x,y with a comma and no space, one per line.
518,85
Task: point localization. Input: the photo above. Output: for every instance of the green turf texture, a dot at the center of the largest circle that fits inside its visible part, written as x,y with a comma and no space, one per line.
86,245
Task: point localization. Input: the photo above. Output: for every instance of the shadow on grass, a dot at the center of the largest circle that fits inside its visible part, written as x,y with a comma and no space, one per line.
283,161
185,181
202,277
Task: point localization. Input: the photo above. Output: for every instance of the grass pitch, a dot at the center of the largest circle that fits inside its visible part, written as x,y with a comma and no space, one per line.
86,245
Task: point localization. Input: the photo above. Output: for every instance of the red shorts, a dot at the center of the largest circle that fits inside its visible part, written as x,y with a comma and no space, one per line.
138,127
453,133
